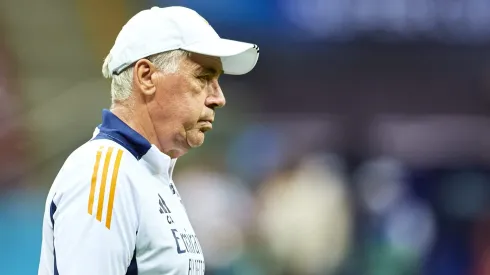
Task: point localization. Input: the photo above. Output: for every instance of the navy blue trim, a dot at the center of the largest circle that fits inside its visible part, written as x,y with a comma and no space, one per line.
133,266
52,210
115,129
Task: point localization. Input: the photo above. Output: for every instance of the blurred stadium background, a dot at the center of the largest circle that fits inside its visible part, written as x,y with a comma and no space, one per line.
359,145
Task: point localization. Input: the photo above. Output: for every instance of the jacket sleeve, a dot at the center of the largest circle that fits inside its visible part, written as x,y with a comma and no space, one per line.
95,218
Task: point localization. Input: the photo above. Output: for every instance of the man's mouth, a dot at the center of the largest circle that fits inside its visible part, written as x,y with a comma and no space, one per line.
205,125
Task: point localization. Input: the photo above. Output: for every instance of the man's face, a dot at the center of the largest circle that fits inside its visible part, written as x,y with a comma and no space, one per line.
183,108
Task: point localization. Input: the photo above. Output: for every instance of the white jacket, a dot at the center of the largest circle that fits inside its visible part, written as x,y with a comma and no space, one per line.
113,209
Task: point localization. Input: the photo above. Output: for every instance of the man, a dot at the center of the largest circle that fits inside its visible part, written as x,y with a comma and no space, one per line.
113,208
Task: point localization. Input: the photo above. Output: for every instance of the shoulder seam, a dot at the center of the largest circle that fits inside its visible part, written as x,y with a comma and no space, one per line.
109,137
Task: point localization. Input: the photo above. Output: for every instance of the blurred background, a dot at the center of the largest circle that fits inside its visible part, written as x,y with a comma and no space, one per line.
360,144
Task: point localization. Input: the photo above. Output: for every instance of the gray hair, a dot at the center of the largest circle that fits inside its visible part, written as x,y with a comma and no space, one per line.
121,87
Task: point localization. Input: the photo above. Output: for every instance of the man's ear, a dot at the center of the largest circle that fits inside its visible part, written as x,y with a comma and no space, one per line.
142,74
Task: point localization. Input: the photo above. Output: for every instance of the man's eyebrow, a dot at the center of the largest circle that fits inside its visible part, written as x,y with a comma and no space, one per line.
207,70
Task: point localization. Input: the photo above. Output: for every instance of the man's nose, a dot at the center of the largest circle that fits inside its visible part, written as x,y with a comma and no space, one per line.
216,98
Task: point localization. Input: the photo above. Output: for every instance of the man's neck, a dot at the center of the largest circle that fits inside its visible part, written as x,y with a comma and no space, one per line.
138,121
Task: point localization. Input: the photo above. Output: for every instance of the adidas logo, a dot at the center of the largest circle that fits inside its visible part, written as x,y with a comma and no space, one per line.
163,206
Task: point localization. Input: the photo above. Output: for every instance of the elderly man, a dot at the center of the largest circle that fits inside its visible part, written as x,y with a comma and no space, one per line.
113,208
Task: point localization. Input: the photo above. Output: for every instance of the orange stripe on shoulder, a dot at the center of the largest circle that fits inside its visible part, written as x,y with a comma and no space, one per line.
100,205
94,180
112,193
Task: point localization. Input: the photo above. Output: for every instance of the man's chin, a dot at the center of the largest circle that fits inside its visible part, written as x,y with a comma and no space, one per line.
195,139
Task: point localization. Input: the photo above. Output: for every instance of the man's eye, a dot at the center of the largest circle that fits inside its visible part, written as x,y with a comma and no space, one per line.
205,77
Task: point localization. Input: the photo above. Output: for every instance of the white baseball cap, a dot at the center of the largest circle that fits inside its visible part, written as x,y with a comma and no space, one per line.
158,30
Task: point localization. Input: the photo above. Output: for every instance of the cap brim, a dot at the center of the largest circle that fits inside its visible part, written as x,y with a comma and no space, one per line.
237,57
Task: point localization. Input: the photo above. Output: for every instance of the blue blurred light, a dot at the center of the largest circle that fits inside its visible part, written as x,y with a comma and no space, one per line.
247,13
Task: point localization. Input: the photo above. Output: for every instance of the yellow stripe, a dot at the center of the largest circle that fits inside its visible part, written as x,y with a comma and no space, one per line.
94,180
113,189
103,182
